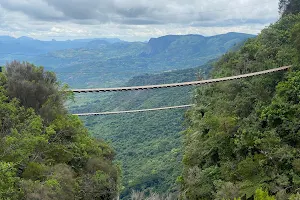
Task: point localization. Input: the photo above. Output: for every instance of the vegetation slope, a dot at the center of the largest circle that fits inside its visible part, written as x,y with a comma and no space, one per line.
244,134
84,65
46,153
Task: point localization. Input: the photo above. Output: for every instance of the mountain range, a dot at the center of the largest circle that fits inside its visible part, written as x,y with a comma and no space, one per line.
111,62
30,46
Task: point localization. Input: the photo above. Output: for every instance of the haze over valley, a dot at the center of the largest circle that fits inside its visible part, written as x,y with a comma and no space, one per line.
112,62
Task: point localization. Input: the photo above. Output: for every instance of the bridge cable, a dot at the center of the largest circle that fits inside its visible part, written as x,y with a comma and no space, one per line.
193,83
170,85
134,111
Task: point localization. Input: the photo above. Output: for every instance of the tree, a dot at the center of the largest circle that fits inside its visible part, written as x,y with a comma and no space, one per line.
8,182
296,37
289,7
262,195
244,135
46,153
36,88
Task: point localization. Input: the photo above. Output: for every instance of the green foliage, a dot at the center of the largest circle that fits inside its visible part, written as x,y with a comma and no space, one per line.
35,171
295,197
296,36
36,88
226,190
46,157
244,134
8,181
135,195
155,161
289,7
262,195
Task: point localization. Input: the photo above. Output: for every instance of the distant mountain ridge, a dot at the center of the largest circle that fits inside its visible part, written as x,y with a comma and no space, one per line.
10,38
111,62
104,64
30,46
168,42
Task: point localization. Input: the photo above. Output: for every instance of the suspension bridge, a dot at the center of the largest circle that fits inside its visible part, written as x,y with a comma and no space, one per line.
134,111
193,83
148,87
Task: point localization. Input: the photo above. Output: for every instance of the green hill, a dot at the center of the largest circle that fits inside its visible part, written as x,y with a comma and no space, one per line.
243,135
45,153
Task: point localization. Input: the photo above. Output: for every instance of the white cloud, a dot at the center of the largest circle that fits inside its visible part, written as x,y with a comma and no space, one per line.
131,19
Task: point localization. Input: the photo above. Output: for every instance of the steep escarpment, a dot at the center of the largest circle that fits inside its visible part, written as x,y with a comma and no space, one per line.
243,135
45,153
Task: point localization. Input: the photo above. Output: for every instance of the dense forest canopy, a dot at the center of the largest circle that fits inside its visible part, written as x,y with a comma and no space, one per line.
289,7
155,161
243,137
44,152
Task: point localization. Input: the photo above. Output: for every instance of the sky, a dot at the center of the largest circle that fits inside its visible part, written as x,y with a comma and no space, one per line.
133,20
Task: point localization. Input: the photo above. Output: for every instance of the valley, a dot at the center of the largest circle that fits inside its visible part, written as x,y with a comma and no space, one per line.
148,145
238,138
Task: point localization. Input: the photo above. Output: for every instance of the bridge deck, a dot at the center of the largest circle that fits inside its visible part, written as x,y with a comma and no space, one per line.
147,87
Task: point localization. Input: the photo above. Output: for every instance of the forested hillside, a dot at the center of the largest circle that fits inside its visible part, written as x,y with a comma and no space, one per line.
45,153
148,145
244,135
239,141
